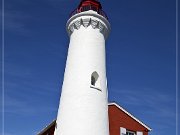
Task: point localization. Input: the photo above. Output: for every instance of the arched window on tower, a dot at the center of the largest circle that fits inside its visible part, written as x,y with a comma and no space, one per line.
95,81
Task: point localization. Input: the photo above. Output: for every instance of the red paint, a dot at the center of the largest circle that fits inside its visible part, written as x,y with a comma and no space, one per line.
118,118
86,5
93,3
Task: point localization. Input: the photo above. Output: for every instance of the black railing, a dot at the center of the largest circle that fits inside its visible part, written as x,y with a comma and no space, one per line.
86,8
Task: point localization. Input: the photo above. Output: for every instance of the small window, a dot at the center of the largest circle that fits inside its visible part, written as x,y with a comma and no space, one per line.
94,78
130,133
85,8
94,8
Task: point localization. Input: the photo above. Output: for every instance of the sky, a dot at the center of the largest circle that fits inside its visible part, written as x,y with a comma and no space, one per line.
140,55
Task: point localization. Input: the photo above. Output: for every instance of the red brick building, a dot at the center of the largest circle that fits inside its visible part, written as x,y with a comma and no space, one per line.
121,122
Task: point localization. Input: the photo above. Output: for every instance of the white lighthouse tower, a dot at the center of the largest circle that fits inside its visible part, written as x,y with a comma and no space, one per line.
83,108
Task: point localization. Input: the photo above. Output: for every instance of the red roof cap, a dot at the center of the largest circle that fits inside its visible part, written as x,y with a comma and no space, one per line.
93,3
86,5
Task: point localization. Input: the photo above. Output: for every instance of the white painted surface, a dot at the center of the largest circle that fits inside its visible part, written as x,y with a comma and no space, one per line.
84,110
122,131
139,133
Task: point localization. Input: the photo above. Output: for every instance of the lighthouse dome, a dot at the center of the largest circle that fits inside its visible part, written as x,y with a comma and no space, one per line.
86,5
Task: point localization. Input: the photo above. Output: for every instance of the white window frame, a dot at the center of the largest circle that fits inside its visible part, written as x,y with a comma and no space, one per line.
127,131
122,131
139,133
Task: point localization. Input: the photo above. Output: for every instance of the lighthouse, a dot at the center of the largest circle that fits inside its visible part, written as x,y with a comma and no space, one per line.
83,108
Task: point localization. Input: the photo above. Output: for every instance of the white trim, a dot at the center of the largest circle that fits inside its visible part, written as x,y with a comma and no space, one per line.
139,133
89,13
122,131
140,122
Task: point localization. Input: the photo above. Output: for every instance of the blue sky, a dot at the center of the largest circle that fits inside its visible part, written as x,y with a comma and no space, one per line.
140,61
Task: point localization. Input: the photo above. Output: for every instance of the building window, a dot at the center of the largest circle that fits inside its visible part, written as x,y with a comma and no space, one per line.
130,133
95,81
94,78
94,8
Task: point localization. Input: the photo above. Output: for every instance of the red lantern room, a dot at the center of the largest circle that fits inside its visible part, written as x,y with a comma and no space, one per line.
86,5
